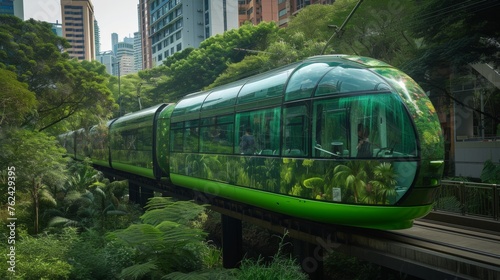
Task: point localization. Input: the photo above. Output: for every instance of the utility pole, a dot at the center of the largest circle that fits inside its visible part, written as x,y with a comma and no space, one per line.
119,88
339,30
139,95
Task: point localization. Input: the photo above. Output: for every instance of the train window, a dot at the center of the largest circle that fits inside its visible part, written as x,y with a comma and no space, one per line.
216,135
133,145
264,125
262,88
295,131
189,105
184,136
190,141
341,80
99,143
221,98
176,137
331,130
363,126
304,80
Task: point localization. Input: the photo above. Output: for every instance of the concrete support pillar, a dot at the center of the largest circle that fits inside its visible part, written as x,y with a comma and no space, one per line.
146,194
133,193
232,251
310,257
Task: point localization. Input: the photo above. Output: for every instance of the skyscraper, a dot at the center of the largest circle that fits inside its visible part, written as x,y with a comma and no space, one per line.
114,41
137,52
124,59
278,11
174,25
12,7
143,15
78,28
97,36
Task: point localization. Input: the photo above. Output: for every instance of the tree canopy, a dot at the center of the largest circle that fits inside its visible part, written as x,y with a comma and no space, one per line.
193,69
16,101
453,34
62,86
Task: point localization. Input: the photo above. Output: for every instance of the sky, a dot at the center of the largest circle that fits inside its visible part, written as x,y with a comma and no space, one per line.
118,16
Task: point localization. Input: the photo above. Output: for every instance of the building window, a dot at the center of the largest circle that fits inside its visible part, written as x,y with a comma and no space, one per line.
282,12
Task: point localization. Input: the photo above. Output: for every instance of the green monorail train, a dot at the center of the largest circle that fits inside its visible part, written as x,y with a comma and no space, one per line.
337,139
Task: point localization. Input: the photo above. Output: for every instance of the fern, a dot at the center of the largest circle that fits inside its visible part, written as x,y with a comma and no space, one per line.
490,173
213,274
161,209
138,271
164,242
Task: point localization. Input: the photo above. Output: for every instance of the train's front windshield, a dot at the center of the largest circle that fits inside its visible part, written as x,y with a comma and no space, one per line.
363,126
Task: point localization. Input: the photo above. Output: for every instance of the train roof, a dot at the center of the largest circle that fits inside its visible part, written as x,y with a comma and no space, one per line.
300,79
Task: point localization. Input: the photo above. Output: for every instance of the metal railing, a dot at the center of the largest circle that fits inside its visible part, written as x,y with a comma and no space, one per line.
469,199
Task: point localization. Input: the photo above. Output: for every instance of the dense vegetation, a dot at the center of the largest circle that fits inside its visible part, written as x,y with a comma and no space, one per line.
72,223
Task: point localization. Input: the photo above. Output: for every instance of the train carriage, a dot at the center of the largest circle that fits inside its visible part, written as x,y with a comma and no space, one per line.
336,139
132,142
306,120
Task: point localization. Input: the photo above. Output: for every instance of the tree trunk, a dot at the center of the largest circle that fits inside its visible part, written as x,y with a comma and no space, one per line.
36,204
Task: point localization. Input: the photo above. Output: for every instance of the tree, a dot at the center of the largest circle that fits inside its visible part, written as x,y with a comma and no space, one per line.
16,101
454,34
39,164
63,87
81,91
193,69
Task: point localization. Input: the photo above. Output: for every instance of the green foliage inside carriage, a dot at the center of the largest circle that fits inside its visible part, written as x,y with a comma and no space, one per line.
131,142
361,182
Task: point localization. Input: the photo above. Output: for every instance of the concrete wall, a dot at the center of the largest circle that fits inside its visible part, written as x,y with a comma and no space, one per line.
471,155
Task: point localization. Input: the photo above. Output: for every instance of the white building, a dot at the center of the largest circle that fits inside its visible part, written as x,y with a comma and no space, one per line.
124,59
179,24
106,58
137,52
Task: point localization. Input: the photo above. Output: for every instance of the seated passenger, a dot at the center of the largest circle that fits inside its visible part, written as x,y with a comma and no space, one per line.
364,146
247,143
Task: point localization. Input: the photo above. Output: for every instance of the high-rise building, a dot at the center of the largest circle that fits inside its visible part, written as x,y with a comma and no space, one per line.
124,59
12,7
57,28
278,11
175,25
114,41
78,28
137,52
143,16
107,58
97,36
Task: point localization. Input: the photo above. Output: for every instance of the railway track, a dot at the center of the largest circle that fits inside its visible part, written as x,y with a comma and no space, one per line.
431,250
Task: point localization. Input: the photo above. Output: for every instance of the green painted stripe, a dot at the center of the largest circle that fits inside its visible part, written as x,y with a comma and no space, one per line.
100,162
382,217
141,171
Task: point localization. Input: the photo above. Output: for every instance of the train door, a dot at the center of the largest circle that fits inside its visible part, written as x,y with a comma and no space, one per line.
331,130
295,131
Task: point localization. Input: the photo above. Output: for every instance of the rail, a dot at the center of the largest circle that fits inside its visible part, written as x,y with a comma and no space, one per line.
469,199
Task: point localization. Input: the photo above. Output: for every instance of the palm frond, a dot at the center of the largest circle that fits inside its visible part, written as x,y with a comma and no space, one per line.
212,274
140,234
61,221
116,213
47,197
161,209
138,271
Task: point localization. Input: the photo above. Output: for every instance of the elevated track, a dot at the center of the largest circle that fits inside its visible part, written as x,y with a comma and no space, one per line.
431,249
